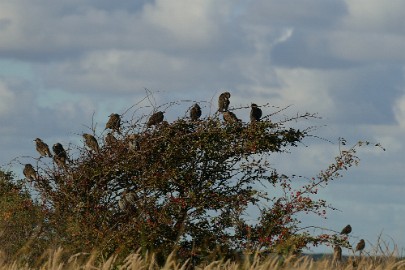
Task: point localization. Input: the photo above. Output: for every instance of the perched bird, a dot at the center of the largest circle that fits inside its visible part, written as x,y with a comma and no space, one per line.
337,254
114,122
133,142
29,172
110,139
122,204
195,112
155,119
360,245
223,102
130,197
230,117
346,230
127,200
42,148
91,142
59,152
255,113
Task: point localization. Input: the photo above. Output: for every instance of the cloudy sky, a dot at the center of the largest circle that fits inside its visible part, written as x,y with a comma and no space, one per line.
63,61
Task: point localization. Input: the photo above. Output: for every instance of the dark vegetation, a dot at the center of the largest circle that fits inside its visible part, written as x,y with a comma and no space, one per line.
150,185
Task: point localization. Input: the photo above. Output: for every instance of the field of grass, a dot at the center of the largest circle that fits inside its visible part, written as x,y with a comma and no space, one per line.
56,260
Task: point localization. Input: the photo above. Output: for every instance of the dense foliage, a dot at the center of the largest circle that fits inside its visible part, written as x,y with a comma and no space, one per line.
21,220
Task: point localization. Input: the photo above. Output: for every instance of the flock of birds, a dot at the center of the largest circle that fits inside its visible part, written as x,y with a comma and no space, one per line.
60,157
337,250
127,199
114,123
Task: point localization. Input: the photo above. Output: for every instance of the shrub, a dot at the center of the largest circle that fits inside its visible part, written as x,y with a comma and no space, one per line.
21,220
185,186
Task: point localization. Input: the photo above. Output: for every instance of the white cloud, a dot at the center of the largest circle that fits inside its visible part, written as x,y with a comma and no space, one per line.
306,89
376,16
192,22
7,100
367,47
45,30
399,110
123,71
371,32
305,13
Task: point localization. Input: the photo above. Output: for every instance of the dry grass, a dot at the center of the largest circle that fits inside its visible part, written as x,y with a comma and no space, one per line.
55,261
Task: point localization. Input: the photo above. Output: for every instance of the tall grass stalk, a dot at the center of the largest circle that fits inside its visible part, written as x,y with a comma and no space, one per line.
136,261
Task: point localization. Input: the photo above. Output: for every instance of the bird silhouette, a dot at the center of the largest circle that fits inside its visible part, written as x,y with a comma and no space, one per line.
230,117
114,122
155,119
29,172
195,112
223,102
60,156
59,152
360,245
255,113
127,200
133,142
346,230
91,142
130,197
122,204
42,148
110,139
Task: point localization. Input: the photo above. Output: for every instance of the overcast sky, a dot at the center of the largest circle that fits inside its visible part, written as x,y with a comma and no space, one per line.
63,61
